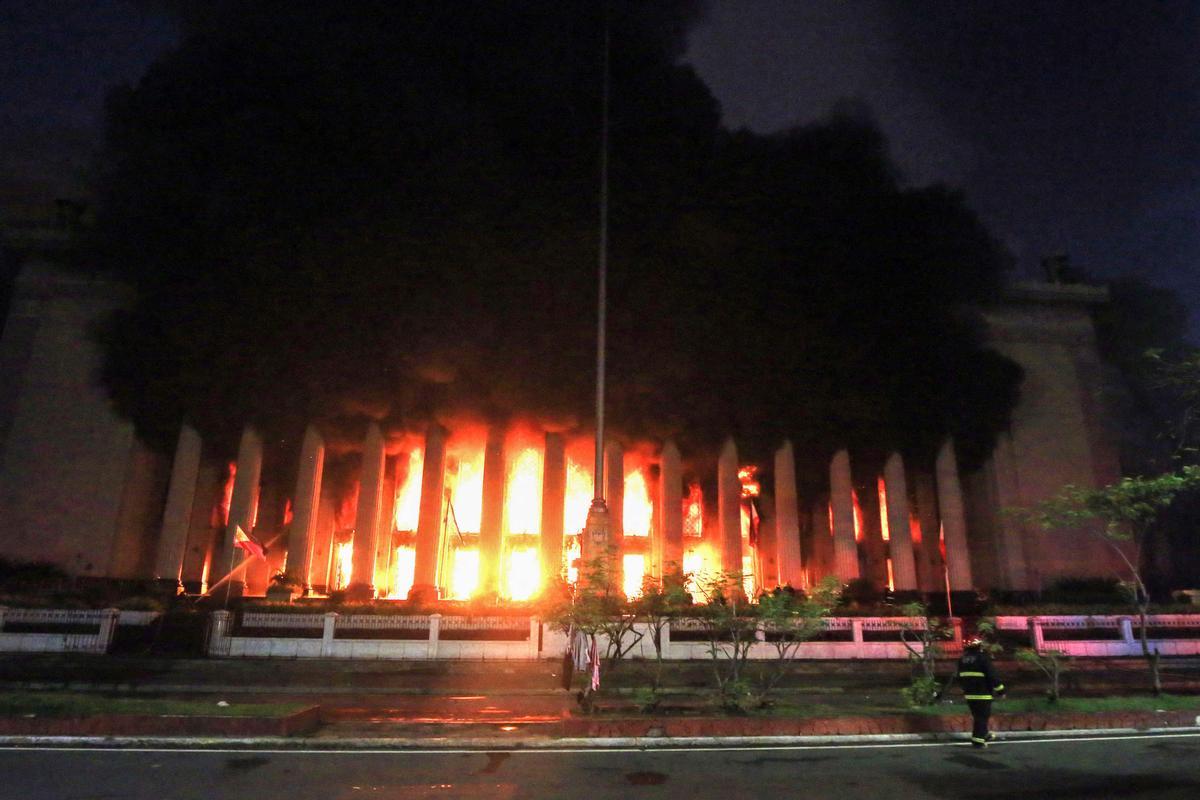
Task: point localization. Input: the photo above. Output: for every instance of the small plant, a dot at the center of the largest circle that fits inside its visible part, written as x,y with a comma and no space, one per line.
923,641
1052,664
787,620
657,606
732,629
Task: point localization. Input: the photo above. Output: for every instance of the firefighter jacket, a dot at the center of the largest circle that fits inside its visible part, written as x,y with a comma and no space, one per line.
977,677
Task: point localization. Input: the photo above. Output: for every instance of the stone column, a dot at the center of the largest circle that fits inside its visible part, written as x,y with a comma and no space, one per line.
491,520
929,566
787,519
366,516
384,551
845,548
614,476
243,505
429,523
133,547
304,506
670,501
554,498
873,547
321,563
177,516
954,521
729,508
203,534
904,570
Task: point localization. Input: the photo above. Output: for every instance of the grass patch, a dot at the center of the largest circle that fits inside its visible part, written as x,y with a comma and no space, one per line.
1024,705
66,704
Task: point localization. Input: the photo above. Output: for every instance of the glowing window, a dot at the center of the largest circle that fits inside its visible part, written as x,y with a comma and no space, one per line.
636,505
343,564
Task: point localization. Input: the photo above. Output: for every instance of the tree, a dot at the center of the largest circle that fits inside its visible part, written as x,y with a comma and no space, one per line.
787,620
1127,510
657,605
923,641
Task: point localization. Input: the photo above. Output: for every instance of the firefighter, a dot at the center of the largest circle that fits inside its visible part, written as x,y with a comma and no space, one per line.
980,685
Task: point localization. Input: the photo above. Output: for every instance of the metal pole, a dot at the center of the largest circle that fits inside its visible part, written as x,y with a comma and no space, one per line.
602,282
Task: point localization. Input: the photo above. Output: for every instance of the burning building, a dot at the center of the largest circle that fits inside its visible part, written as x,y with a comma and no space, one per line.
475,509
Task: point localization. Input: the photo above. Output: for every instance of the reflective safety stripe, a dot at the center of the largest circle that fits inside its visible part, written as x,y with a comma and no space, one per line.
971,675
999,687
978,696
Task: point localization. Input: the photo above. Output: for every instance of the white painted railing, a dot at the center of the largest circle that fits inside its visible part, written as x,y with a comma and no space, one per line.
366,636
99,624
1119,635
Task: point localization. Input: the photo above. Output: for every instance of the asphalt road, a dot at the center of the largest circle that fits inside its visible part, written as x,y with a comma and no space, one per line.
1159,767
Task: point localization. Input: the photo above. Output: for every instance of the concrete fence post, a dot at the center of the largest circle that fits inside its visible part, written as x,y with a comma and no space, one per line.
856,636
108,627
1035,634
328,630
535,628
435,632
666,641
956,623
218,633
1127,635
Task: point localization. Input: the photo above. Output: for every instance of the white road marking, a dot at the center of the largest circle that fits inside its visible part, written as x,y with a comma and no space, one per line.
600,750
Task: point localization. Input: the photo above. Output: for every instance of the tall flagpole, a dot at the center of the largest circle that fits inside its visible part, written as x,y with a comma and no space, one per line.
597,535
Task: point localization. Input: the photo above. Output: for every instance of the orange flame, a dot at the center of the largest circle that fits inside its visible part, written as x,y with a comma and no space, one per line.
464,482
523,496
883,510
858,516
408,498
693,512
634,570
404,570
524,573
579,497
464,576
637,509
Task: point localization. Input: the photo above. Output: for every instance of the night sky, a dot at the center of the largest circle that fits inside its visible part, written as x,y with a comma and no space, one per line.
1070,126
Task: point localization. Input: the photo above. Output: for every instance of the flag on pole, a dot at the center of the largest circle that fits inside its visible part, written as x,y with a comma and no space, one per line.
594,662
248,545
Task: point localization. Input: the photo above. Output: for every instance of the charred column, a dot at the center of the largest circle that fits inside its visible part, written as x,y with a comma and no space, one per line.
366,517
954,521
904,571
729,508
304,507
242,507
845,547
670,511
615,476
177,516
787,519
491,524
554,495
429,522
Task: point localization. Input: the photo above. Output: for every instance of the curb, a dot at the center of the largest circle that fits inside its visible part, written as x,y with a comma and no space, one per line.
492,744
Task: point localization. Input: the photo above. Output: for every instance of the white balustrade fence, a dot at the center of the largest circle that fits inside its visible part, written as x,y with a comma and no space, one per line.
57,630
1108,635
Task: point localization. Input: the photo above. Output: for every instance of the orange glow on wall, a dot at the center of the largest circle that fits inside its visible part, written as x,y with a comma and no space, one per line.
464,480
883,510
914,527
634,572
579,493
638,510
858,516
891,577
696,570
464,575
404,568
408,496
524,573
343,564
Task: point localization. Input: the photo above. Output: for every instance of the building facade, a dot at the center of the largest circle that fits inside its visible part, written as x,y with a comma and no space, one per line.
498,510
